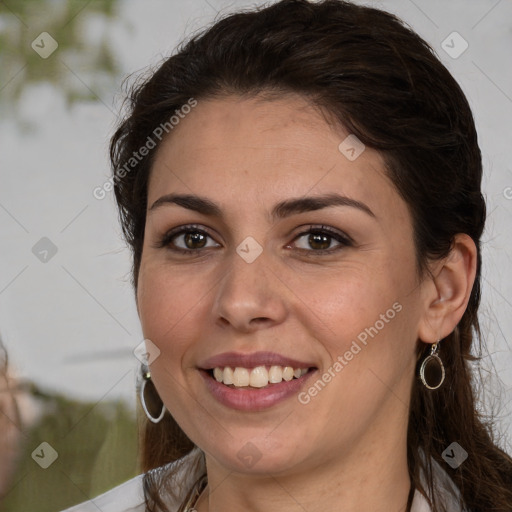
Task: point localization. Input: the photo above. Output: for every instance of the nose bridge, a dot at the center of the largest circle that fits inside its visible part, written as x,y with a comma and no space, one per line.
246,279
249,289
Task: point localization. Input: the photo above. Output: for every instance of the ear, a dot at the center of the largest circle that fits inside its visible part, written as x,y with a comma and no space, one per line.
447,291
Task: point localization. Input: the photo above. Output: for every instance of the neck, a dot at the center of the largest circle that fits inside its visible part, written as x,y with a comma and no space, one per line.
371,477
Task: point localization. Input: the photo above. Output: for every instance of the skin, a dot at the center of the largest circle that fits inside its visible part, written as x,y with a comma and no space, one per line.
348,444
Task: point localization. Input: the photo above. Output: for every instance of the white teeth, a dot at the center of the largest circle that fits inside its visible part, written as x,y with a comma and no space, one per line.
275,374
218,374
228,375
288,373
257,377
241,377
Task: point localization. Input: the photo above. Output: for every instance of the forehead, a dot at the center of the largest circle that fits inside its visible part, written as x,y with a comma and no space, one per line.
270,149
238,123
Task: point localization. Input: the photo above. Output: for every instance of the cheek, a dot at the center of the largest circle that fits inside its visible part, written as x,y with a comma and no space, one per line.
344,304
366,327
168,302
365,315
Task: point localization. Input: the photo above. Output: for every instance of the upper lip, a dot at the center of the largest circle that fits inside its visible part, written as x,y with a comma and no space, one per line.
234,359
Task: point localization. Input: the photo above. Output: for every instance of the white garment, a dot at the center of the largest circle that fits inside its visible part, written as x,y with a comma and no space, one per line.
129,497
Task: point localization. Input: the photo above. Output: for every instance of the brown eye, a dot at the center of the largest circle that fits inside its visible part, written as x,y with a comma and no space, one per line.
320,240
194,240
187,239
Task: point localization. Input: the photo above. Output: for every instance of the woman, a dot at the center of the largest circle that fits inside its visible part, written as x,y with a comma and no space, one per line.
300,187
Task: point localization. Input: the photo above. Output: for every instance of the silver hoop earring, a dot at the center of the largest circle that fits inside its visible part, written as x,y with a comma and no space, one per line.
146,377
432,369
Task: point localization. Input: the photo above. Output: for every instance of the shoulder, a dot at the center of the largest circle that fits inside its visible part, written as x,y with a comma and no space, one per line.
445,490
419,503
129,496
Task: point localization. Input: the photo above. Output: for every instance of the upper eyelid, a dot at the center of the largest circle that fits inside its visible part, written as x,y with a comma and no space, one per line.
304,230
180,230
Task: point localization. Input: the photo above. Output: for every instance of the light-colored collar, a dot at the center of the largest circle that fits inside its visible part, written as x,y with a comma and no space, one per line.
446,490
129,497
419,503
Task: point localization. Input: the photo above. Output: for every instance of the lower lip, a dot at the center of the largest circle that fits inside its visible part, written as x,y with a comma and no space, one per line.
254,399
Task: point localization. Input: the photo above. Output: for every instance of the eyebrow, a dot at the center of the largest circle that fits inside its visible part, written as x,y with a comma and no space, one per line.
281,210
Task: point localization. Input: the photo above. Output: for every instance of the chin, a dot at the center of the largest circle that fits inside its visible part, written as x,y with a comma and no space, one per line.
258,455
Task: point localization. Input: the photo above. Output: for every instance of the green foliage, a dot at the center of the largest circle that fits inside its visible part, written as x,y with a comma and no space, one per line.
96,446
76,59
96,443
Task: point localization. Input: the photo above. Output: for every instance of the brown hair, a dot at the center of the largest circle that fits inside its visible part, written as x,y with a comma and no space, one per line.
384,84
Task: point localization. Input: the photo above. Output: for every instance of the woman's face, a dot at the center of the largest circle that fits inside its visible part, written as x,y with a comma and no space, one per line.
286,250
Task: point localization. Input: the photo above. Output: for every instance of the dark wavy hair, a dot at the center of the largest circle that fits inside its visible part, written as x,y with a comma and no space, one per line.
382,82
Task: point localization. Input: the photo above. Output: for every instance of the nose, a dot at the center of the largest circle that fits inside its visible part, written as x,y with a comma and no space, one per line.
249,296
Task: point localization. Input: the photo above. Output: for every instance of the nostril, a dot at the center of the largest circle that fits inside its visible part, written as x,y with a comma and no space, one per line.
260,319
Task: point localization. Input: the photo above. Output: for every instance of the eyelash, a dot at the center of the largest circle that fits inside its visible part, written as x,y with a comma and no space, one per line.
344,240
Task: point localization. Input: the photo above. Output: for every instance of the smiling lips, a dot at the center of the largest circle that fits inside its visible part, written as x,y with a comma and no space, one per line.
253,382
257,377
